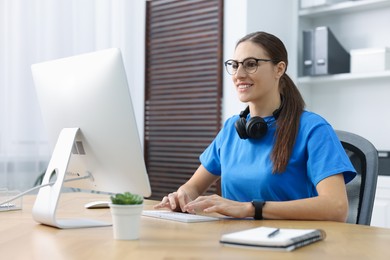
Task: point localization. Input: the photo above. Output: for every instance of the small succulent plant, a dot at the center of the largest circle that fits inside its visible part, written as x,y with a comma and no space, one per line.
126,199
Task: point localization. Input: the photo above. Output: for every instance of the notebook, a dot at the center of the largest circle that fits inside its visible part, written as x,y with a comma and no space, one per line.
273,238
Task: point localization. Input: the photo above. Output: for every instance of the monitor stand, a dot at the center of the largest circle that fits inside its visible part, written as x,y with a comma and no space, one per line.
45,206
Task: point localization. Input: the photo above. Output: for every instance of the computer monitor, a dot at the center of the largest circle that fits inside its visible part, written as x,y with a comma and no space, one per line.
87,109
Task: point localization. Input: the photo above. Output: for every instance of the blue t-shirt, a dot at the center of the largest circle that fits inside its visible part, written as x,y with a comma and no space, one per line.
245,165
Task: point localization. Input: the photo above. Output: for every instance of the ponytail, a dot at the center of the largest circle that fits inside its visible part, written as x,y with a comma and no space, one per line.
287,124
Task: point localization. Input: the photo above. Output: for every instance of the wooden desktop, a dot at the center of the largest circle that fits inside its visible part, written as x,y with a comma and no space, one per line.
22,238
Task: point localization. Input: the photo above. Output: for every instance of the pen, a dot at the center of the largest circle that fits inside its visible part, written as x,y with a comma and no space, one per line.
274,233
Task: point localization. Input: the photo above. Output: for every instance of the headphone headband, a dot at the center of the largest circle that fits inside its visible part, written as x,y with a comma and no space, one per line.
275,114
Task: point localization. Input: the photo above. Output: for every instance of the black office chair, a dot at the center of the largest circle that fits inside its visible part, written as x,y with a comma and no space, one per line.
361,190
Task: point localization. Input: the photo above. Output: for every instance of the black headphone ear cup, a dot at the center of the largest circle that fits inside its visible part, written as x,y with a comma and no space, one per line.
256,127
240,128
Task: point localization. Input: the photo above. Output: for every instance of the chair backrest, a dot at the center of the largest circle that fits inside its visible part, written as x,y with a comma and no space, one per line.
361,190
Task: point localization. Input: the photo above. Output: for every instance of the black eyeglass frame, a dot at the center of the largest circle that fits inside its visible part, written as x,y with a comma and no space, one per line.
242,62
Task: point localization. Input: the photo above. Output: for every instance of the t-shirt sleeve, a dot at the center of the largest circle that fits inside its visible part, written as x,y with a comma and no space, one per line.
211,157
326,156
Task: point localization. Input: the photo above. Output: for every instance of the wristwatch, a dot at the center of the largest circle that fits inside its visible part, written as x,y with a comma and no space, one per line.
258,209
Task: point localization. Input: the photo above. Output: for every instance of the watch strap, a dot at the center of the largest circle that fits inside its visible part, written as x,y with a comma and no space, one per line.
258,205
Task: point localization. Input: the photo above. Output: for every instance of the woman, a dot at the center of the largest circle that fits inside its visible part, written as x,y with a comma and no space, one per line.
275,160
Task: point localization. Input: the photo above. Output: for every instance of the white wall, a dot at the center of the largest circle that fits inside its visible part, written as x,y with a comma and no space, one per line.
361,109
235,27
135,58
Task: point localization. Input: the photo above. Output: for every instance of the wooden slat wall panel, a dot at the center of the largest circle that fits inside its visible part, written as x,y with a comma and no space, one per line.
183,88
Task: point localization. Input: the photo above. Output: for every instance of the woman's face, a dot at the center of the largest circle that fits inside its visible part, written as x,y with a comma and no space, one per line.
261,86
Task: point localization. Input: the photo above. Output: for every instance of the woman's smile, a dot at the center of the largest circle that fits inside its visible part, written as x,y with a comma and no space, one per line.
244,86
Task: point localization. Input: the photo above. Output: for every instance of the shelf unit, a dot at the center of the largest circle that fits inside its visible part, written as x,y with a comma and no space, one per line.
343,78
309,18
381,211
344,99
354,102
343,8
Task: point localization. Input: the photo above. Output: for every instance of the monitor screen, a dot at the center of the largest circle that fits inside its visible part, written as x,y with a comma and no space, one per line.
89,95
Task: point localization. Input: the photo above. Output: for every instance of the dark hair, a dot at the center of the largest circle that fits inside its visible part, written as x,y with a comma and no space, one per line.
293,103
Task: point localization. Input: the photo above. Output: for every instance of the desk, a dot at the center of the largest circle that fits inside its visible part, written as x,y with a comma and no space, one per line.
22,238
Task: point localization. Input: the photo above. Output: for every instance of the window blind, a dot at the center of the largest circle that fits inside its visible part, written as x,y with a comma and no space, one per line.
183,88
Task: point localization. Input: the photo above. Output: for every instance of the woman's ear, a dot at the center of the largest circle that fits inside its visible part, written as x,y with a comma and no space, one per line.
280,68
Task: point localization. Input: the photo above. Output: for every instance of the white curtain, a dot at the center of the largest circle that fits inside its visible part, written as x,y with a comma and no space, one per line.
33,31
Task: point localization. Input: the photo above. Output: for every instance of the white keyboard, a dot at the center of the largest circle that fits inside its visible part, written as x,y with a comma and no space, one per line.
9,206
177,216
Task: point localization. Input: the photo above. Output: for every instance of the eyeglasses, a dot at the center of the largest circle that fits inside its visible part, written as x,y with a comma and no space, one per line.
250,65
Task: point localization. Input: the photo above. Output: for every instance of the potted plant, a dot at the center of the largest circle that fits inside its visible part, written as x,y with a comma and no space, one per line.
126,210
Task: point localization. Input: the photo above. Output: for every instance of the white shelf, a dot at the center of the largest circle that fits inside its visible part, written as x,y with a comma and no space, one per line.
343,7
354,95
344,77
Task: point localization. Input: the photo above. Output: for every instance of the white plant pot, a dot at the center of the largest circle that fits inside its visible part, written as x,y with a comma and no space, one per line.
126,221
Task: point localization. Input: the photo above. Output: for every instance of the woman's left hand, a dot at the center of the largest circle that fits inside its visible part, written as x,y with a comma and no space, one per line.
217,204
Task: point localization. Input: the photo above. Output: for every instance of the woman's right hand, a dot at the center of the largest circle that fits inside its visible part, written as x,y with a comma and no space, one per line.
175,201
195,186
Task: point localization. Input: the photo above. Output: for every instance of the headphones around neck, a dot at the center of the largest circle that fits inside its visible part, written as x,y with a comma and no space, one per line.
256,127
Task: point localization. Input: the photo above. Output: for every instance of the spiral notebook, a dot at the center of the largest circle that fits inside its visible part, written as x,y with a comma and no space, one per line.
273,238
